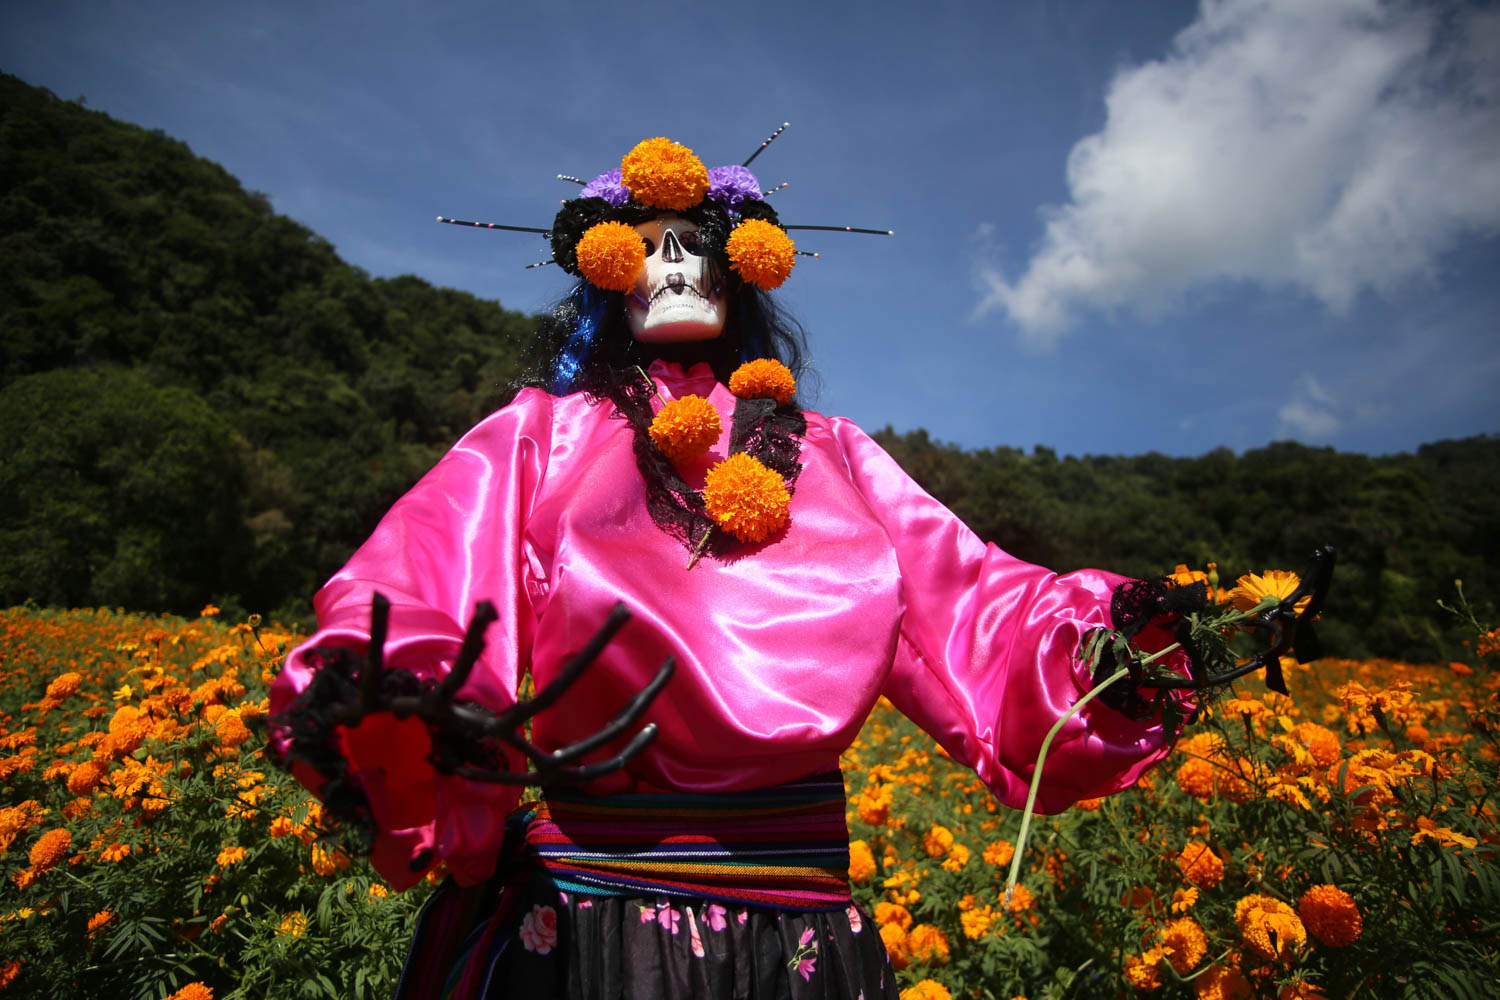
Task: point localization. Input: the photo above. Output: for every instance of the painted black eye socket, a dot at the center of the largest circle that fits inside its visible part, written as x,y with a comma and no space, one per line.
691,243
650,246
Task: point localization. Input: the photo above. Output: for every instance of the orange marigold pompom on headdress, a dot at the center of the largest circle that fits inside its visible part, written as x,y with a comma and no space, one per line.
659,175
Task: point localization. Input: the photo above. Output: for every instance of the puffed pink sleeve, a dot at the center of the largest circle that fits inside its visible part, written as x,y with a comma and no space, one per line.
455,539
985,658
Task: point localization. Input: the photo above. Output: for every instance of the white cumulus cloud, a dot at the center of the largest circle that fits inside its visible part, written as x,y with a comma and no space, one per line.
1330,146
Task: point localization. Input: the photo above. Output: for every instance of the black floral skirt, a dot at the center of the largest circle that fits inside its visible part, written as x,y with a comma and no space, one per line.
534,941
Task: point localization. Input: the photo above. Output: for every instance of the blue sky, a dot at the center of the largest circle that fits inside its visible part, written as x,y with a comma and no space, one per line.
1120,227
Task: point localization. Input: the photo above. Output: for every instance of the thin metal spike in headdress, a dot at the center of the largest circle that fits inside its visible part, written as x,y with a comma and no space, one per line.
570,177
495,225
770,139
807,253
846,229
778,187
540,263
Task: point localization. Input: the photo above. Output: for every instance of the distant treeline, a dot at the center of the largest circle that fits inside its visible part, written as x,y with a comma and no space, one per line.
200,402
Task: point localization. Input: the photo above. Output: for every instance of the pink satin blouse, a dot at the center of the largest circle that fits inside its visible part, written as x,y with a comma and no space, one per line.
873,588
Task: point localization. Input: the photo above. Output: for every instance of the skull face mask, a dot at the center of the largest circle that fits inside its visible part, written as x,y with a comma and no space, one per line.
677,297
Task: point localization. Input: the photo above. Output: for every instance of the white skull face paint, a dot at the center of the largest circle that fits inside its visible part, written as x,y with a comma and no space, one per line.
675,298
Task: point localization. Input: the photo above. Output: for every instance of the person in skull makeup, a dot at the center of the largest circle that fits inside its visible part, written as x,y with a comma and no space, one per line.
788,565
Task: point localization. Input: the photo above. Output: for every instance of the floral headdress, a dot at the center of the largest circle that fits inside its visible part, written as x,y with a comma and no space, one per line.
592,236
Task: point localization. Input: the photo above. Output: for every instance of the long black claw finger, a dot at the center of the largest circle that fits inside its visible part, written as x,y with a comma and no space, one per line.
587,772
380,624
575,667
624,718
468,653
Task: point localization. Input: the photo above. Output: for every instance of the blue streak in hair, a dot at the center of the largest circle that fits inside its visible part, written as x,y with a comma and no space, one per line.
574,356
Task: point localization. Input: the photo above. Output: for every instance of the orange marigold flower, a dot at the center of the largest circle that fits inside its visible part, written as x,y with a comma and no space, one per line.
378,891
765,378
294,924
874,804
1300,989
1220,983
9,971
927,944
684,429
611,256
927,989
115,852
1234,780
1196,778
1269,927
745,498
1021,900
50,848
1251,588
762,253
101,920
64,684
892,913
861,861
999,853
327,861
193,991
1446,836
1321,742
281,826
976,922
231,856
231,730
208,611
958,856
1200,865
894,939
86,776
1331,915
1183,900
1141,971
1088,805
937,841
1184,944
661,173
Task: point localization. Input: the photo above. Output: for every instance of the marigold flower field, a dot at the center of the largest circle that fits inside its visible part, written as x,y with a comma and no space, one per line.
1340,842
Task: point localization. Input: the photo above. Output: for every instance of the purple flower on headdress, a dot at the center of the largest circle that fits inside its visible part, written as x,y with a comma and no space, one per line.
607,186
730,186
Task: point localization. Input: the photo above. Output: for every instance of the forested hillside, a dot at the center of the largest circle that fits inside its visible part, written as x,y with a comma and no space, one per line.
200,401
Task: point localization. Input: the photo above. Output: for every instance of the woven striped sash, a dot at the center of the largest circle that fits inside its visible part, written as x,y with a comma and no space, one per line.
785,846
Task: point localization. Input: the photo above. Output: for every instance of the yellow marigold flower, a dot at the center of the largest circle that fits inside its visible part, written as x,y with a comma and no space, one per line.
927,943
115,852
892,913
1200,865
958,856
745,498
937,841
611,256
1443,835
1331,915
101,920
762,253
1269,927
86,776
230,729
231,856
64,684
1220,983
861,861
1251,588
999,853
49,849
765,378
684,429
927,989
1142,973
294,924
1184,944
661,173
193,991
